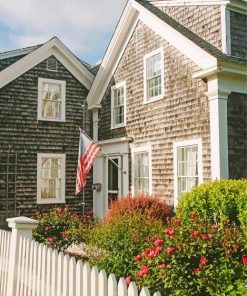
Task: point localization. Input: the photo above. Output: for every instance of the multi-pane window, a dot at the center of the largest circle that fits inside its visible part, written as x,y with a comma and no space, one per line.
187,166
51,174
51,100
153,75
118,105
141,172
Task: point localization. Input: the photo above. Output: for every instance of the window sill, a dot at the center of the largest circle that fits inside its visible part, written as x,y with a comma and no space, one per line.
50,201
158,98
117,126
51,119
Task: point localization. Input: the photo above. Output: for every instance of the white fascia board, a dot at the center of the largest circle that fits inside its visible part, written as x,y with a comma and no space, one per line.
188,2
113,54
238,6
52,47
195,53
17,52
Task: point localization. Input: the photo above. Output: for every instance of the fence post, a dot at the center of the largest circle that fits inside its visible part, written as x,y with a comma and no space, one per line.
21,226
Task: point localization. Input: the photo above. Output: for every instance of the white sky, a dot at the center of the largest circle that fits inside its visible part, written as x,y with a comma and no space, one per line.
85,27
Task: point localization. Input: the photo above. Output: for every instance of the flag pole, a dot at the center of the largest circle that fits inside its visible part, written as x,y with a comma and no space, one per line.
107,155
83,191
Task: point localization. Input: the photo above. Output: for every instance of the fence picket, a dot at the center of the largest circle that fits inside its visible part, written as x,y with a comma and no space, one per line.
24,246
7,246
34,273
39,269
48,271
66,275
79,278
86,280
157,294
132,290
30,269
112,285
26,266
103,283
54,273
60,275
144,292
43,270
94,281
72,275
122,288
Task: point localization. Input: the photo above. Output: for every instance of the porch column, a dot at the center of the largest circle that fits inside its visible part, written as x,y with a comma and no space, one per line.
218,131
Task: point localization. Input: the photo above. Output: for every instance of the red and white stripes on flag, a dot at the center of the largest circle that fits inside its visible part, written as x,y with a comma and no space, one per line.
88,151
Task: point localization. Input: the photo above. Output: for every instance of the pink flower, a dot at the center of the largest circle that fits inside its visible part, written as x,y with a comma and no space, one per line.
32,217
244,260
158,242
203,260
45,214
151,254
51,239
169,250
59,210
215,227
195,233
161,266
145,270
204,236
196,270
169,231
157,250
37,213
210,235
128,280
46,228
140,273
137,258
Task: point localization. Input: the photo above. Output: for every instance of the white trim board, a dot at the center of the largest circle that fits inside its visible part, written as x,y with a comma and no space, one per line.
132,14
53,47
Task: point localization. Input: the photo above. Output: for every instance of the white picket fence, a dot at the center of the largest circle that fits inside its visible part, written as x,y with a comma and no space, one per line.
28,268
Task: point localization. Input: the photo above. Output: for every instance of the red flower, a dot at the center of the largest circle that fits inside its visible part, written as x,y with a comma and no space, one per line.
145,270
215,227
158,242
157,250
46,228
169,250
140,273
51,239
203,260
151,254
204,236
37,213
32,217
196,270
65,235
169,231
244,260
161,266
59,210
45,214
210,235
128,280
137,258
195,233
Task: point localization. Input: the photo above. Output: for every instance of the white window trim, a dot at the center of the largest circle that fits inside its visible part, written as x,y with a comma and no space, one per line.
185,143
118,85
147,56
63,102
39,169
136,150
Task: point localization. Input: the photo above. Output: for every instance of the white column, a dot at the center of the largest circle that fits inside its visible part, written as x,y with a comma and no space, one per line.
95,124
21,226
218,133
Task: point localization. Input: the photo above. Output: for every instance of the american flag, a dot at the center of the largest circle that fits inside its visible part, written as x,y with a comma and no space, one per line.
88,151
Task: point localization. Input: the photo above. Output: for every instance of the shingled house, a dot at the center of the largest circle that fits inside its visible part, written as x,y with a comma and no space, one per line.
169,101
42,105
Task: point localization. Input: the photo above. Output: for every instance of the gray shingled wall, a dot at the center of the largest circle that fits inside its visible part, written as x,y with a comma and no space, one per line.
237,135
182,114
21,133
203,20
238,28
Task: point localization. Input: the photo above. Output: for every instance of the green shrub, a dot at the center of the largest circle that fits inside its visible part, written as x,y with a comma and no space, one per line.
59,228
196,259
124,233
219,200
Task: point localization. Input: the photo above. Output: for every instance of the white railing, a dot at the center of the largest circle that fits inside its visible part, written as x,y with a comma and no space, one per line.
28,268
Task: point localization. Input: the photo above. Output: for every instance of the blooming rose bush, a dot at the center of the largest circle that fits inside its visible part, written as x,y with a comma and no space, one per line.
200,259
59,228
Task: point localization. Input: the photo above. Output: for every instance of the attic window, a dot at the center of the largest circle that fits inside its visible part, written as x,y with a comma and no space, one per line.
51,64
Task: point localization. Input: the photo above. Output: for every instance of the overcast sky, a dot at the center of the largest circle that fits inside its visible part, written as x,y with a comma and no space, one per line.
85,27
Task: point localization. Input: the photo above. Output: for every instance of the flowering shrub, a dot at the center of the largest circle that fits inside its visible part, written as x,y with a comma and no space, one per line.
195,259
217,201
59,228
152,206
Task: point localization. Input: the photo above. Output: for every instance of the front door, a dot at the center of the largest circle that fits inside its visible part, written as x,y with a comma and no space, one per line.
114,177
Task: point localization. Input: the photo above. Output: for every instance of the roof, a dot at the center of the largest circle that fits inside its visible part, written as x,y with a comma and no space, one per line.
212,50
31,56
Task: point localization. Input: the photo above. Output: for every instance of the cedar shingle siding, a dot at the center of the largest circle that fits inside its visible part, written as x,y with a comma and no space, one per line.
182,114
21,133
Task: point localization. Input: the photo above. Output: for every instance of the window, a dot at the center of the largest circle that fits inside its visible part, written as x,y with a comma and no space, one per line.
141,171
154,76
114,179
118,105
187,166
51,178
51,100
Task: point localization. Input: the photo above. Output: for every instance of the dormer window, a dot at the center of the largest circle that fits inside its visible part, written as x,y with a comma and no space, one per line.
154,76
118,105
51,100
